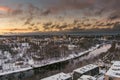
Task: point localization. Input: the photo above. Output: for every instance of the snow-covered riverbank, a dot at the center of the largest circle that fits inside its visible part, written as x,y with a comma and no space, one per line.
94,51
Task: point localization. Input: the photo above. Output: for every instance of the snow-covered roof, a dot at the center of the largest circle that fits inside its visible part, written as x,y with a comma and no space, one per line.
87,77
15,71
59,76
85,68
114,71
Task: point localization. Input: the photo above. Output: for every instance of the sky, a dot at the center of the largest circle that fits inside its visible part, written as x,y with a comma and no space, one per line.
21,16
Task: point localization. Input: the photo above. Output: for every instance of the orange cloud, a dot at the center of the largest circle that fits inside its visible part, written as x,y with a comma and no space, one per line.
15,30
5,9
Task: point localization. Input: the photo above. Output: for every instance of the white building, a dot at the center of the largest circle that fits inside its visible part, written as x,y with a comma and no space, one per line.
25,44
87,77
7,54
71,47
7,67
114,72
90,69
59,76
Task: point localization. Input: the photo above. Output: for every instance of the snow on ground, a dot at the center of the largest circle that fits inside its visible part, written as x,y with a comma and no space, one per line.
100,50
52,61
96,52
101,77
93,51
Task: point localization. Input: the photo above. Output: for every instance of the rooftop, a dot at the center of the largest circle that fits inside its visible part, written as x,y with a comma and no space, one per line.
114,71
87,77
85,68
59,76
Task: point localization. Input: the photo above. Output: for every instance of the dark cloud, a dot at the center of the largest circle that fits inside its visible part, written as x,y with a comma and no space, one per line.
17,11
63,5
75,21
17,29
115,15
111,6
109,24
99,12
88,7
46,12
47,25
116,26
35,28
8,11
75,29
64,25
28,21
32,13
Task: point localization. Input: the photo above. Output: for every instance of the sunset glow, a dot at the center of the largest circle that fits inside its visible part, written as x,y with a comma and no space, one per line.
41,15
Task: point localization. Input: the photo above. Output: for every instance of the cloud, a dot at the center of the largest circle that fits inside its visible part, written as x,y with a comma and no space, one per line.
32,13
88,7
114,15
27,14
16,29
116,26
7,12
29,29
35,28
5,9
47,25
110,6
63,5
17,11
46,12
